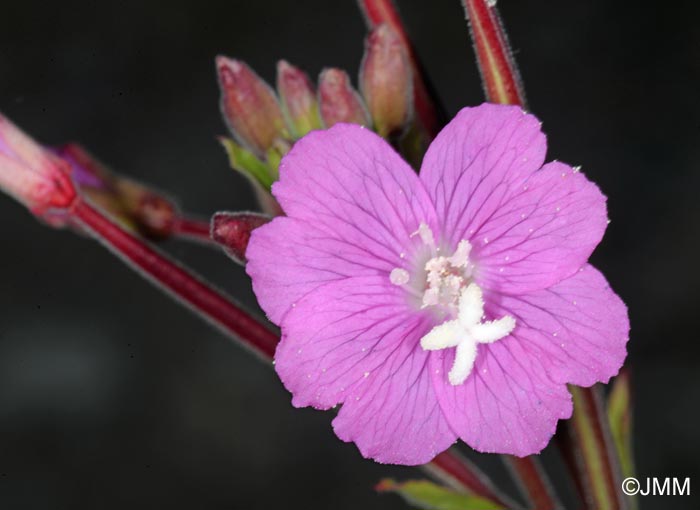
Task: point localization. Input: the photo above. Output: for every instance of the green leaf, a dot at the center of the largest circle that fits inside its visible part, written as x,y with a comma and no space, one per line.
620,419
430,496
247,163
274,157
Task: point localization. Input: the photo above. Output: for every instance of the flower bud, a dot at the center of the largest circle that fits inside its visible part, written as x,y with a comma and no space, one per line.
249,106
153,214
31,174
386,81
232,231
298,97
339,102
133,204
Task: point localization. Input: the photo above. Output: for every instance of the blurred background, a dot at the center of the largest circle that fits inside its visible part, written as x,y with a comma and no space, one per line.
112,396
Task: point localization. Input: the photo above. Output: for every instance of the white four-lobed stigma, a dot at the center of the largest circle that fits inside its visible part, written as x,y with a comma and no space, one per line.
466,332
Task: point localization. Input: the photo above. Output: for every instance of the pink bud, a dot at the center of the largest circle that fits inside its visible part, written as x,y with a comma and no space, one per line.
339,101
249,106
298,96
31,174
232,231
386,81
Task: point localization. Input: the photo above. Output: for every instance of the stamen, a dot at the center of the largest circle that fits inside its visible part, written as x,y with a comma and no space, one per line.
466,332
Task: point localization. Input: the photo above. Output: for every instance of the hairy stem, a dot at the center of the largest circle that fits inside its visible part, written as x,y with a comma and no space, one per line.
499,71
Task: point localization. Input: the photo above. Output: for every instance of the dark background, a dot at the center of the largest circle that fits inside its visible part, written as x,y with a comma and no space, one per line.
113,396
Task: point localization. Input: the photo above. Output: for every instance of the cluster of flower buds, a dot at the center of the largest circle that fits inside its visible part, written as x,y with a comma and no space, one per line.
264,124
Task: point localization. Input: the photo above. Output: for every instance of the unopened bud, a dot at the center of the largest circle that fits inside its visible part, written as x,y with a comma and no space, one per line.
32,174
153,214
133,204
232,231
339,101
249,106
298,98
386,81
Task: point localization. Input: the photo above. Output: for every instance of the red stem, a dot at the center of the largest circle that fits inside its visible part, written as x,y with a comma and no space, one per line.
384,11
192,229
188,288
533,482
499,72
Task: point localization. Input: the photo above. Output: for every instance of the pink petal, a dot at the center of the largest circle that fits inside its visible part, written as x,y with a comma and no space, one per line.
541,234
507,405
579,326
290,258
348,178
353,342
477,161
352,203
574,332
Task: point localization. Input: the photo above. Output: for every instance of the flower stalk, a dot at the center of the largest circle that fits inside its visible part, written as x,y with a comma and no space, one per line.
191,229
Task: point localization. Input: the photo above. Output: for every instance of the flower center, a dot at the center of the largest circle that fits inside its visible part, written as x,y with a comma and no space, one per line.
446,277
449,288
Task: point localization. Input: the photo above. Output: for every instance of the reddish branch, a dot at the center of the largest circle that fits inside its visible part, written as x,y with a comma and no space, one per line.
180,283
499,72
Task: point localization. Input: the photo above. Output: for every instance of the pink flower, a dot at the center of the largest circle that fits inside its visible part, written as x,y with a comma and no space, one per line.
33,175
457,304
